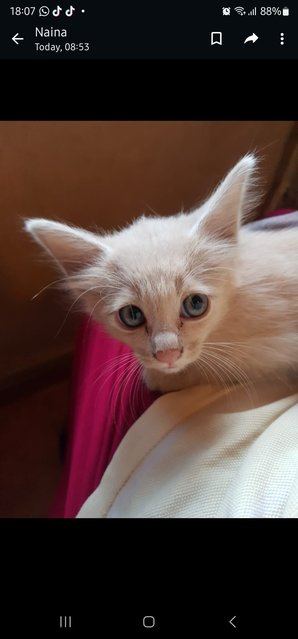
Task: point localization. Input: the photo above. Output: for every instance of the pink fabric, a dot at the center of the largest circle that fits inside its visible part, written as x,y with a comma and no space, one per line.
106,402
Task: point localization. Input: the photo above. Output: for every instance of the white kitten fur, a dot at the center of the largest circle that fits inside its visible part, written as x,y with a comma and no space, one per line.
249,330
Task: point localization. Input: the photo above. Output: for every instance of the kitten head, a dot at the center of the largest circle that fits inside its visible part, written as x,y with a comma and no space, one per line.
162,284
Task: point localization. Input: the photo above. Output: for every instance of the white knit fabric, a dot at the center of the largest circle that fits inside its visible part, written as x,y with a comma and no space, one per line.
183,458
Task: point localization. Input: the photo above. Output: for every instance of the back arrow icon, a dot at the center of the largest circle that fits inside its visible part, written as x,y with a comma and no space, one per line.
252,38
231,621
16,39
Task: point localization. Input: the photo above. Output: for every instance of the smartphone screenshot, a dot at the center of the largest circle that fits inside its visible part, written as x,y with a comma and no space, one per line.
149,331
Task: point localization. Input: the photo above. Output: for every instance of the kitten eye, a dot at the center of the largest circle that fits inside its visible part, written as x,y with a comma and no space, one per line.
131,316
194,305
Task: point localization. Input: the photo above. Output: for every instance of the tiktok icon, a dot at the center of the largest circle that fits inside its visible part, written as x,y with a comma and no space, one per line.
56,12
69,12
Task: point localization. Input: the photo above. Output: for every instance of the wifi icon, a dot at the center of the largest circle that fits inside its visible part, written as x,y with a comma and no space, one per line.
240,11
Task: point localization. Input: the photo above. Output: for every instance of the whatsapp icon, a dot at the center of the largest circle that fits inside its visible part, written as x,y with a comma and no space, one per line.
43,12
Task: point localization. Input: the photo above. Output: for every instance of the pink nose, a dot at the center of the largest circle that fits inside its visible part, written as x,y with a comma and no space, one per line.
169,357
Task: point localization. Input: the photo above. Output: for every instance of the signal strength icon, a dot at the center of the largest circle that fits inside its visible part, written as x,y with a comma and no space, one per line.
253,12
240,11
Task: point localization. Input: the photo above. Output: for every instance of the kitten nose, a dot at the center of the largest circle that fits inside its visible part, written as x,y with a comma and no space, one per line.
169,357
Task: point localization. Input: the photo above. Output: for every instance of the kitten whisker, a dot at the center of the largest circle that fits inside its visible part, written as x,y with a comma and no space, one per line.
117,382
71,307
214,372
63,279
121,383
132,376
231,368
113,367
135,390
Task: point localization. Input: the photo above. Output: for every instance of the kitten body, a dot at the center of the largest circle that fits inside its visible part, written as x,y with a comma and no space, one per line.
248,330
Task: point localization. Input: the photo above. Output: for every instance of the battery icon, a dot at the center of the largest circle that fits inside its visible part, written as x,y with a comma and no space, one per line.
285,11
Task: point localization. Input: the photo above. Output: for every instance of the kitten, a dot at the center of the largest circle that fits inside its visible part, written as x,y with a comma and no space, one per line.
196,296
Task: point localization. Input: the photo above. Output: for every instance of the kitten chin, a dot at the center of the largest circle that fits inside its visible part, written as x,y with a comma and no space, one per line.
166,382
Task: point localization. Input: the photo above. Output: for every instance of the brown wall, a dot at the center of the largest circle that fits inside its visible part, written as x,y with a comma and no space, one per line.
102,173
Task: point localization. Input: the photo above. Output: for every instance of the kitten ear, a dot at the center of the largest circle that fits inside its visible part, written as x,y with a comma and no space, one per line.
72,248
221,215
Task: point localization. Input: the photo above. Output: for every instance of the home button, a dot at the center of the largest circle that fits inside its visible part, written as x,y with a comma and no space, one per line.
148,622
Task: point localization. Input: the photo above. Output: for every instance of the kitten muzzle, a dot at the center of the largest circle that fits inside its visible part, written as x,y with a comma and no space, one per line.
168,357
